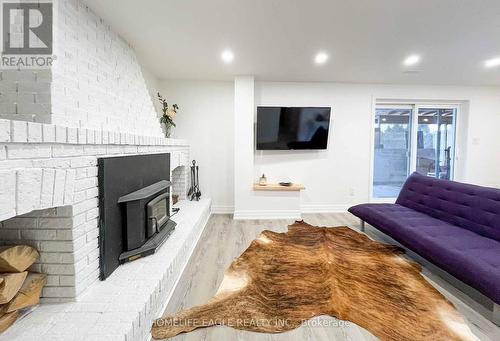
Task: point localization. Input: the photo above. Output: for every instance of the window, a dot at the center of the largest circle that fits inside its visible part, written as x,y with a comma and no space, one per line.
411,138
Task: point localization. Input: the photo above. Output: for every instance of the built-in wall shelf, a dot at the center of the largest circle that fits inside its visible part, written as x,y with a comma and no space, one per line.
278,187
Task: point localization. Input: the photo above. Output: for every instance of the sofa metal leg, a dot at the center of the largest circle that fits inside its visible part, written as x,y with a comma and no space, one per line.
362,226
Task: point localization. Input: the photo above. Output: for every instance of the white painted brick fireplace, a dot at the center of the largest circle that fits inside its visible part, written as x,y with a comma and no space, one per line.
50,194
93,102
54,125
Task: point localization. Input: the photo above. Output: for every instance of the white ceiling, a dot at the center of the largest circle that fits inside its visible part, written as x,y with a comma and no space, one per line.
367,40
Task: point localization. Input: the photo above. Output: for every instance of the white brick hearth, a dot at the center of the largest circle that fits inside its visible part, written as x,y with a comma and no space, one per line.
123,306
49,199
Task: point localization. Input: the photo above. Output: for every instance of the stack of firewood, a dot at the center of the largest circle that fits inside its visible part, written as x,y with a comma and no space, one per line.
18,288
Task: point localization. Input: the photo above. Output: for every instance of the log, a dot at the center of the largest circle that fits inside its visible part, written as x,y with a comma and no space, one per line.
10,286
7,320
28,295
17,258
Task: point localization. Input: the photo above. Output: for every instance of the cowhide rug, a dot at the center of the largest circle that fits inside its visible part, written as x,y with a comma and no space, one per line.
284,279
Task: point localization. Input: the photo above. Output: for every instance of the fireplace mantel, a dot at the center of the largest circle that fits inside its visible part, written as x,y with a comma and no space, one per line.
34,156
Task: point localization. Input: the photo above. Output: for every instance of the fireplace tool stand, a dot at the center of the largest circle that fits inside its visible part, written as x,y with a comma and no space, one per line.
194,192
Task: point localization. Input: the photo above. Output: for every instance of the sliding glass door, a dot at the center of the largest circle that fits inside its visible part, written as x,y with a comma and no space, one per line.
392,149
436,142
411,138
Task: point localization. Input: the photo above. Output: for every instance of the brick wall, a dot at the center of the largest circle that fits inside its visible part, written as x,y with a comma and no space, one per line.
53,234
49,196
54,124
95,82
180,177
25,95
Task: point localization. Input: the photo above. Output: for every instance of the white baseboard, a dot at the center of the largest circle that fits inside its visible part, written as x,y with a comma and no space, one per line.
322,208
266,214
279,214
222,209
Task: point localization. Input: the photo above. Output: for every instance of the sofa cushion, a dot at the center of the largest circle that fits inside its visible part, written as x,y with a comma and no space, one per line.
475,208
468,256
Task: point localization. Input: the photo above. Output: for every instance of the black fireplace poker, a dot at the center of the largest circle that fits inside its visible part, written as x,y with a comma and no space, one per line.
194,192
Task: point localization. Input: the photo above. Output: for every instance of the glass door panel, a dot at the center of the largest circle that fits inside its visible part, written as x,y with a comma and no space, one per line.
436,142
392,150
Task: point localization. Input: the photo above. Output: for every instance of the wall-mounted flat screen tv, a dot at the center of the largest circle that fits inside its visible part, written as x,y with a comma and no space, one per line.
282,128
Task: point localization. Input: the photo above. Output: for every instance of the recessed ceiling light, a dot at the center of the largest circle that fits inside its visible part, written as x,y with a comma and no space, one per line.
494,62
321,58
414,59
227,56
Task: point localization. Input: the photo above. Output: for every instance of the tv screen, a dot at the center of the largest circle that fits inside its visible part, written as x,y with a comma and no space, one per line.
281,128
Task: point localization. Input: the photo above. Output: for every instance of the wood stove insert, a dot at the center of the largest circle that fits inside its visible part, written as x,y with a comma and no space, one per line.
147,221
134,208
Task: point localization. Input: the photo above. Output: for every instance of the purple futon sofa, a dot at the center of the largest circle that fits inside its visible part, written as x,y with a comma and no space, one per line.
453,225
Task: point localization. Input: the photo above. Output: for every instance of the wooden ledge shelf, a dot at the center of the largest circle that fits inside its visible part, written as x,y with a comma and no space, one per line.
278,187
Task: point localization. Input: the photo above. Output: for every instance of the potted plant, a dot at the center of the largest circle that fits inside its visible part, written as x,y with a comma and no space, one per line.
168,115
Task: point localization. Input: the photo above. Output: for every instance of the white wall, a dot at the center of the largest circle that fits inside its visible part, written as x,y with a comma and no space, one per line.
205,118
339,176
250,204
